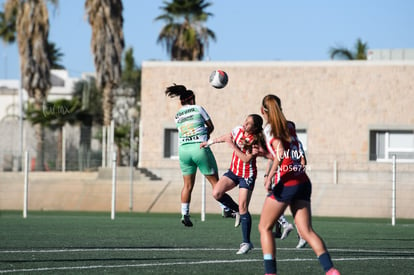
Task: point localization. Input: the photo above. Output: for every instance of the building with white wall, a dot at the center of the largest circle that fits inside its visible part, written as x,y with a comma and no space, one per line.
390,54
62,87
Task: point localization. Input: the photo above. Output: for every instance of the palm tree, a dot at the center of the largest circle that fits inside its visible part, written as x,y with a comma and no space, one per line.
8,26
130,88
8,35
63,111
55,115
85,91
105,18
360,52
131,74
184,35
32,27
54,55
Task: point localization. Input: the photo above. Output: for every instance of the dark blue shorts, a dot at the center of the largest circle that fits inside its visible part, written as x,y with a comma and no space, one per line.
247,183
288,194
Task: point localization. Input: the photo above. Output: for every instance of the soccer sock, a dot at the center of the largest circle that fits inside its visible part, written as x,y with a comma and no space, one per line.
246,224
278,228
185,208
325,261
229,202
269,264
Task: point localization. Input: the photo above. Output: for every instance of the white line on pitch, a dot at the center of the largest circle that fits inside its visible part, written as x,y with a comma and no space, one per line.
189,263
66,250
116,249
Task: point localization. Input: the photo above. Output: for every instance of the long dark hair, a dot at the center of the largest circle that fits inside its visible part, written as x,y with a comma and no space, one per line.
180,90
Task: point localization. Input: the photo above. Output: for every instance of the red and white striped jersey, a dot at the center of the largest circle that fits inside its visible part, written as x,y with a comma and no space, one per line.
237,166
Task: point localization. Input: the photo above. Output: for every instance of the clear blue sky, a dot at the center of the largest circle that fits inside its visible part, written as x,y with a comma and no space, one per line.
245,30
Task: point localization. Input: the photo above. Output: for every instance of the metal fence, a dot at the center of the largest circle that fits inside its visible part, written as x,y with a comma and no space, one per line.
73,148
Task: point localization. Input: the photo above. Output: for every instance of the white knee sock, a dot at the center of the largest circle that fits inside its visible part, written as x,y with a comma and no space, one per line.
185,208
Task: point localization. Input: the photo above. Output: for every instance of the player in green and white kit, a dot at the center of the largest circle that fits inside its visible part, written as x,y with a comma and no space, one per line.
194,126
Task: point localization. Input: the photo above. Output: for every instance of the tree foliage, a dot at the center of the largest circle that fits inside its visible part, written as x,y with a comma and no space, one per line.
359,52
8,25
184,36
131,74
107,43
90,97
54,55
32,28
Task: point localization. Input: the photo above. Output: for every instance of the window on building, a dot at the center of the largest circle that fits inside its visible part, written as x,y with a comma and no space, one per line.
170,143
303,137
384,144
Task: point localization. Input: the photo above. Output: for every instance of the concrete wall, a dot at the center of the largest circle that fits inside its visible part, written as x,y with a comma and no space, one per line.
336,102
91,191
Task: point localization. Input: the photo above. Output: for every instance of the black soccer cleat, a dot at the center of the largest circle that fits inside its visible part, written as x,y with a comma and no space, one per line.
228,213
185,219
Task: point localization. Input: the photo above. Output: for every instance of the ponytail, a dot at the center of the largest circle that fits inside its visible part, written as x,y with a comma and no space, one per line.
180,90
276,118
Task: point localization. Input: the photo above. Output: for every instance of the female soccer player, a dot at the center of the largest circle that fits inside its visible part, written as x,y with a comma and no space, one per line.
194,126
245,141
282,221
293,188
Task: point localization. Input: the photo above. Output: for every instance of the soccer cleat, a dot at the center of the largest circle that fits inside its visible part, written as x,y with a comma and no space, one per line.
301,244
237,221
333,271
185,219
228,213
278,231
286,230
244,248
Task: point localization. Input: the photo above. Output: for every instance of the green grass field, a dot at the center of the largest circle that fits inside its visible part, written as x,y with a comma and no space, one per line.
138,243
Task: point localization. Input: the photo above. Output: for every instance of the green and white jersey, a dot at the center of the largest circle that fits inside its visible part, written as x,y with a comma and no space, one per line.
190,121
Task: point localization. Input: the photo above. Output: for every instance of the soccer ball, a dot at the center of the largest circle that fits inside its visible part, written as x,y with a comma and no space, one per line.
218,79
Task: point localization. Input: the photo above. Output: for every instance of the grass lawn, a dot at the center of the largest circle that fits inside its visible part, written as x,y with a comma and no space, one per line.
140,243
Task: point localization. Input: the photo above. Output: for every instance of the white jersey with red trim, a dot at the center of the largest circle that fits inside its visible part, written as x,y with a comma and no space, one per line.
237,166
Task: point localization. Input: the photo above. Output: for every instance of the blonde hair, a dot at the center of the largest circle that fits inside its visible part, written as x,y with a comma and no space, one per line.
276,118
